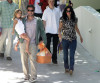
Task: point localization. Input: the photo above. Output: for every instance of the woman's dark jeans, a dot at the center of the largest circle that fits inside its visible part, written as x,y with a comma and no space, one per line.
71,45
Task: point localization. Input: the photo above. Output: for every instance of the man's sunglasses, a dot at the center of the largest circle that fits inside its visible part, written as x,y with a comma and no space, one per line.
30,10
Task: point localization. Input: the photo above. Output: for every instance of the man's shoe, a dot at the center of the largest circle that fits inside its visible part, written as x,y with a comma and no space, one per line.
2,55
9,58
54,62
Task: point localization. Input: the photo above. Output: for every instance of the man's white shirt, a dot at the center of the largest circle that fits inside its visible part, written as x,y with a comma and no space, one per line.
52,17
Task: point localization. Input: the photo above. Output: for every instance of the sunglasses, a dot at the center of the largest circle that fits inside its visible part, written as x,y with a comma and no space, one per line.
68,11
30,10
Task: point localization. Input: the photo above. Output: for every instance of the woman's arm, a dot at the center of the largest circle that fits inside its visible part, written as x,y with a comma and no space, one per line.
60,26
59,30
77,30
14,24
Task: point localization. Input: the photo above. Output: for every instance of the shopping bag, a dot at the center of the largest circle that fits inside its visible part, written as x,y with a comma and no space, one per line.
44,55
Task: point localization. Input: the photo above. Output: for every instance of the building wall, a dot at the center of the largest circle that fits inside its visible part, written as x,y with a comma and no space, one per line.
89,26
93,3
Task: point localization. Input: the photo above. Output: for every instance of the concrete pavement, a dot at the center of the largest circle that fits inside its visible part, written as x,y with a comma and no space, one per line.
86,70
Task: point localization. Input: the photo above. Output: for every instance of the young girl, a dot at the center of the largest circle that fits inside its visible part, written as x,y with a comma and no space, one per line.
19,27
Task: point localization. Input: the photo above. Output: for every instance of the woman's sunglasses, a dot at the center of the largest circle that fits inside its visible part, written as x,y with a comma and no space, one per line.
68,11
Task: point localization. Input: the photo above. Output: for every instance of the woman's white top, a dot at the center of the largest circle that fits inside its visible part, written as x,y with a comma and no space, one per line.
19,27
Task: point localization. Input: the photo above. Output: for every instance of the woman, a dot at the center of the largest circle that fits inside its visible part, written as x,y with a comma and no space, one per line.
68,27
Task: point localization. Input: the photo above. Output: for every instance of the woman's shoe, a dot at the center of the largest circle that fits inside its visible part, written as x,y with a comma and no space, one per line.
71,72
66,70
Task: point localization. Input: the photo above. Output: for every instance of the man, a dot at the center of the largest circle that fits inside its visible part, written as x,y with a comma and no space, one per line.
40,6
7,9
33,27
50,19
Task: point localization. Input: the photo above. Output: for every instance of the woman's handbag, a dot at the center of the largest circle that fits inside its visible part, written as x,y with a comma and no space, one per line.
60,47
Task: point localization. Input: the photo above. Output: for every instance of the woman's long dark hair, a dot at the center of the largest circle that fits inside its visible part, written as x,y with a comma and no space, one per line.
64,16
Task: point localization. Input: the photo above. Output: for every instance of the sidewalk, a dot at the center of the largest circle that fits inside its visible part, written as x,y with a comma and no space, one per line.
86,70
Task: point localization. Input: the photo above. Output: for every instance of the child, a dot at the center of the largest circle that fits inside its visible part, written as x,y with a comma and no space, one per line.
19,27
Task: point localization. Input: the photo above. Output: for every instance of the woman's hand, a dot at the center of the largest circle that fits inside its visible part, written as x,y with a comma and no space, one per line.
81,39
60,37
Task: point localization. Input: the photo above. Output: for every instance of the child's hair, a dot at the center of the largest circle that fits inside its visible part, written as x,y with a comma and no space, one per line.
16,11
